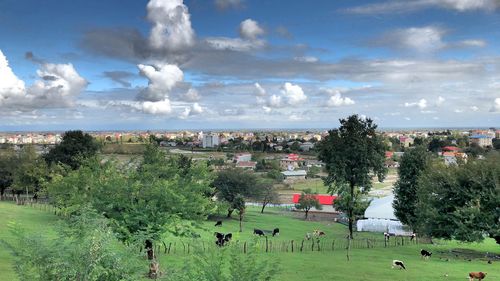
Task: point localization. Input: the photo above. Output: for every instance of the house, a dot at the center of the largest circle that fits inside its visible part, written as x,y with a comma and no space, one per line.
291,176
306,146
325,200
405,141
389,154
481,140
450,148
290,162
242,157
246,165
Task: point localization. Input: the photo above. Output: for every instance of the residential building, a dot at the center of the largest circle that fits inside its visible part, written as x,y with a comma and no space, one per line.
246,165
210,140
242,157
481,140
291,176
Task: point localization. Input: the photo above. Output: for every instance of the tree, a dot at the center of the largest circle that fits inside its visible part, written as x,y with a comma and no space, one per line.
31,172
232,183
351,153
313,172
307,201
268,193
461,201
7,169
74,147
412,164
239,205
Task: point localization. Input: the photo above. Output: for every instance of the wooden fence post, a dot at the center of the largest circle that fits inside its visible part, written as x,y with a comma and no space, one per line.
302,245
292,245
267,246
333,245
245,247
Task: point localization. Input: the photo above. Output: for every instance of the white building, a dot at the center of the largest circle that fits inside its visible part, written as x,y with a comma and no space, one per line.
210,140
242,157
380,217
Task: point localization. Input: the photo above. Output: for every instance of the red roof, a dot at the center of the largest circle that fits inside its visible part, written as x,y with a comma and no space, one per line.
245,164
389,154
322,198
450,148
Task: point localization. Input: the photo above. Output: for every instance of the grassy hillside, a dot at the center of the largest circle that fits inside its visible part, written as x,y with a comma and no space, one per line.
366,264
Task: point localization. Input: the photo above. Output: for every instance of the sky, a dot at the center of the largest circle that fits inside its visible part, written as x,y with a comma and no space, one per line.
247,64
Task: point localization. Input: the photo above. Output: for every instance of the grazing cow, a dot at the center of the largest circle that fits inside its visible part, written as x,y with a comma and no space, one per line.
276,231
413,236
258,232
425,254
318,233
154,269
219,235
398,264
386,236
228,237
218,223
220,242
308,236
477,275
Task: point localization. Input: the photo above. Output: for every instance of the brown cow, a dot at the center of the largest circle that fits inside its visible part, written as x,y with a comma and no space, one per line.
477,275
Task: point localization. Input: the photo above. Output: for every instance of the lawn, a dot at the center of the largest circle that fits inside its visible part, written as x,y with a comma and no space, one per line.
31,219
365,264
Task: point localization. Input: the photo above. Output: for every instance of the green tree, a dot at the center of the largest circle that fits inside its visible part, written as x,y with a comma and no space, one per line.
74,147
307,201
239,205
460,201
351,153
7,169
268,193
412,164
31,172
313,172
231,183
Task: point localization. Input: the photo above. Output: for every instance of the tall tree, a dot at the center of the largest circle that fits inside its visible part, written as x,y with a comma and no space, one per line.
74,147
352,153
232,183
239,205
307,201
268,193
7,169
412,164
31,172
461,201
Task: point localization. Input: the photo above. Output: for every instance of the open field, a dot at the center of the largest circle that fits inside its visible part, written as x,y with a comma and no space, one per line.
366,264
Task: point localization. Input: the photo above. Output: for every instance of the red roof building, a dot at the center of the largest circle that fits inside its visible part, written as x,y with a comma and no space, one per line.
322,198
450,148
389,154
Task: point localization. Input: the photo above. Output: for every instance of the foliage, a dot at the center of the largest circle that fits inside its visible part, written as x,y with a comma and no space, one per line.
7,168
231,183
155,198
351,153
307,201
227,264
86,250
359,203
31,171
275,175
313,172
475,150
268,193
74,147
412,164
461,202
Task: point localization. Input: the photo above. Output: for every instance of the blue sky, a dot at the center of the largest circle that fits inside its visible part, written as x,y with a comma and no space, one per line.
195,64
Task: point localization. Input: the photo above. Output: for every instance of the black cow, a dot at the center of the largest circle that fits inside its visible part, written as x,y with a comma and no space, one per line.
398,264
258,232
228,237
276,231
220,242
425,254
218,223
220,236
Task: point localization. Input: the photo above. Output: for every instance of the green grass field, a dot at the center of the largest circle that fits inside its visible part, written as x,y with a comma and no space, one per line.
365,264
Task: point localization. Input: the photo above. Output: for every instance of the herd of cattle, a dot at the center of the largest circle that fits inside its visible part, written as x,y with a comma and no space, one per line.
426,255
225,238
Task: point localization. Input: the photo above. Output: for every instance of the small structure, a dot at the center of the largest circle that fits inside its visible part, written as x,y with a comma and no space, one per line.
294,175
380,217
481,140
290,162
246,165
306,146
242,157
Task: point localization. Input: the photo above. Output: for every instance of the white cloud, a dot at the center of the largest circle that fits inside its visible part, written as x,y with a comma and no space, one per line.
157,107
293,93
474,108
338,100
421,39
420,104
250,29
249,32
267,109
440,100
191,95
473,43
196,108
171,25
496,106
162,79
275,101
259,91
10,85
58,86
306,59
458,110
416,5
